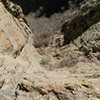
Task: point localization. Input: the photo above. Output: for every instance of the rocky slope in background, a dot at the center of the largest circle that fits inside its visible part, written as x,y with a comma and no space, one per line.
47,15
88,15
59,73
83,29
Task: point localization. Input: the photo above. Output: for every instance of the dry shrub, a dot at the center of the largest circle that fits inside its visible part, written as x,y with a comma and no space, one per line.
68,63
42,39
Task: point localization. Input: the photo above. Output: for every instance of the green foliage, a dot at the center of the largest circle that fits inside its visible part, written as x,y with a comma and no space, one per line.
44,61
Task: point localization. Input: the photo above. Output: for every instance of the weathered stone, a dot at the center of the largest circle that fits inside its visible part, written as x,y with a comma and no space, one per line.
81,21
23,78
13,36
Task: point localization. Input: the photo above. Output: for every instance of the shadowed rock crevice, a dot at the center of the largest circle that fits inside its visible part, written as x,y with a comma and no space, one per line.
80,22
46,7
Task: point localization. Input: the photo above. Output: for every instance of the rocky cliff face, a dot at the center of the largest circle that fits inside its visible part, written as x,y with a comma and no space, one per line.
82,28
88,15
60,73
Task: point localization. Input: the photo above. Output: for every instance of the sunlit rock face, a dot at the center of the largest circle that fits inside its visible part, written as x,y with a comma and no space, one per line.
12,35
59,73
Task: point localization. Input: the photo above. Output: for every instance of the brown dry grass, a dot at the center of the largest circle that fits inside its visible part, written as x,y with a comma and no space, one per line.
42,39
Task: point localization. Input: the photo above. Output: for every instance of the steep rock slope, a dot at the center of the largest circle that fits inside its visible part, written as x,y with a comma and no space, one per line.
15,40
12,34
23,78
88,15
82,29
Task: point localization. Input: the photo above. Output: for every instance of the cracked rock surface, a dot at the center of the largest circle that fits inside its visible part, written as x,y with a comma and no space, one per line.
74,75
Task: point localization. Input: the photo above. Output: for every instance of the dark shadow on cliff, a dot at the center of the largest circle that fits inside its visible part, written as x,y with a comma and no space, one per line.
80,23
46,7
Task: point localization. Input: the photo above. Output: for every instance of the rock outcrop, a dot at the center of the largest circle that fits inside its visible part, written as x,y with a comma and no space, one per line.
23,78
81,20
12,34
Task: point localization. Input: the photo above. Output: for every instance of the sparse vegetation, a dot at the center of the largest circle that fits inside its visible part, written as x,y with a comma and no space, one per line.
42,39
66,63
44,61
